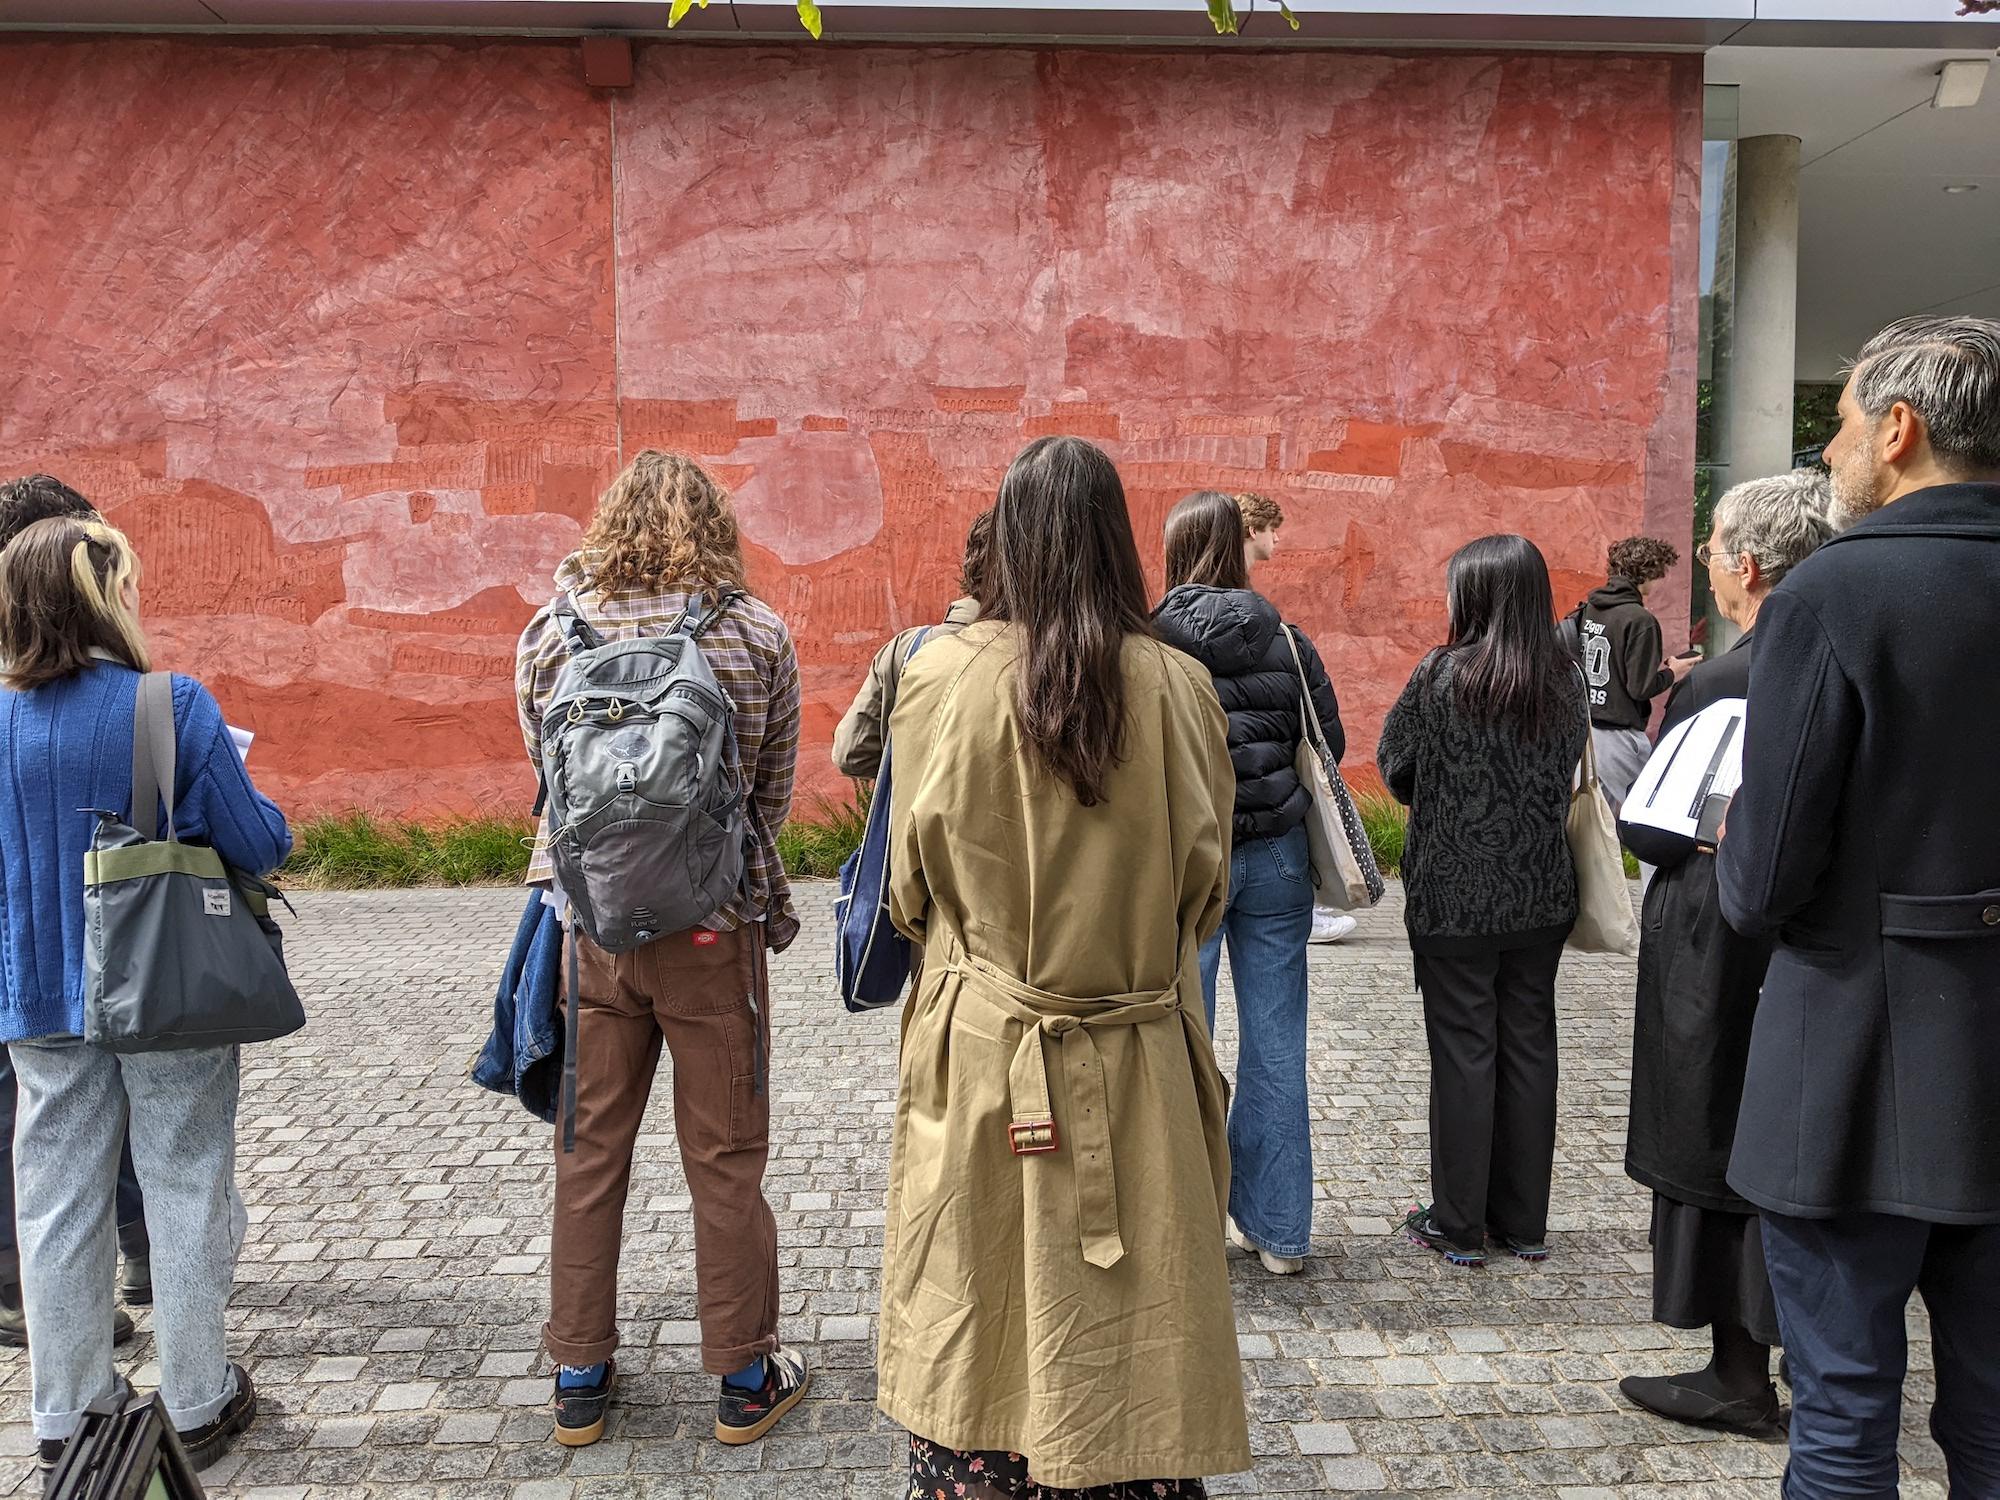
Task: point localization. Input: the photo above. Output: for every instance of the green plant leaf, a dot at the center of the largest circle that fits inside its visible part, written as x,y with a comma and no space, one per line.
680,10
809,17
1286,11
1222,15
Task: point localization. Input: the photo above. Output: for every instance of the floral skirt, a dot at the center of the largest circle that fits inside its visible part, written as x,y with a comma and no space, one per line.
943,1474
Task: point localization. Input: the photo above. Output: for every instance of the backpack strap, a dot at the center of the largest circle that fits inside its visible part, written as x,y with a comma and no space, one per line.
696,619
578,634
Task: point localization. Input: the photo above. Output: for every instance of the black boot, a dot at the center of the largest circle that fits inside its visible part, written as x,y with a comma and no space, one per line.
1734,1393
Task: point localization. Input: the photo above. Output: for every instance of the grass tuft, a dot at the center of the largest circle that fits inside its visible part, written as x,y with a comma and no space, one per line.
815,848
1386,820
357,851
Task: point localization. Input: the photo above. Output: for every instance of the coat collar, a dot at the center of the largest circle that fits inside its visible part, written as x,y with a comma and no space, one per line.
962,612
1952,510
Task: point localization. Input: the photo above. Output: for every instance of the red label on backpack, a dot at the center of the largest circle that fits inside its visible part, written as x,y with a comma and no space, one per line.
707,939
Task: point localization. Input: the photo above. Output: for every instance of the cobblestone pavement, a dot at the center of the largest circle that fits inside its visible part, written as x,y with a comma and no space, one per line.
393,1287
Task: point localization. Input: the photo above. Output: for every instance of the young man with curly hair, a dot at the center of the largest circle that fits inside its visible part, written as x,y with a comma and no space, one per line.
1624,661
664,541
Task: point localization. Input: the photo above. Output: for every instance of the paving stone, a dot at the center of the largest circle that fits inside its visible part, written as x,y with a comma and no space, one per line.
1323,1437
394,1284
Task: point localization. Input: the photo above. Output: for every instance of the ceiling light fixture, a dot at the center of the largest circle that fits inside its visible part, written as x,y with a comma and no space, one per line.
1961,187
1959,83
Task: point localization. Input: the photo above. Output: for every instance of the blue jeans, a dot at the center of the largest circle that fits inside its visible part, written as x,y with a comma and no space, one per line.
131,1204
1842,1286
75,1104
1268,922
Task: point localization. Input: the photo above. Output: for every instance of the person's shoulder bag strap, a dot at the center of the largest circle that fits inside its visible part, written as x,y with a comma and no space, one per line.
1311,720
894,687
154,759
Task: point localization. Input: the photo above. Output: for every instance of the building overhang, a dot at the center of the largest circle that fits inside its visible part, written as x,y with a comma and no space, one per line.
1611,24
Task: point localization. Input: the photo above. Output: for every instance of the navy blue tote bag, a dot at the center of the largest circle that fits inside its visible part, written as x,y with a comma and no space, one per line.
871,958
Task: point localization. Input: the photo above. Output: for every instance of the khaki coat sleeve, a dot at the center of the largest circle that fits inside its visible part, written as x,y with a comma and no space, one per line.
1201,797
857,742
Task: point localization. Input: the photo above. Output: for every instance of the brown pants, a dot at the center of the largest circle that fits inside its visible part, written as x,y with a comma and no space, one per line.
706,994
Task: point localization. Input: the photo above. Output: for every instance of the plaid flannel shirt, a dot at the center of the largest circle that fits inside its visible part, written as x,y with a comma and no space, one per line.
751,653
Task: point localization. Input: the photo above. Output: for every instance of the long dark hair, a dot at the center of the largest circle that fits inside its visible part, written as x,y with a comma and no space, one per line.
1065,570
1205,542
1510,661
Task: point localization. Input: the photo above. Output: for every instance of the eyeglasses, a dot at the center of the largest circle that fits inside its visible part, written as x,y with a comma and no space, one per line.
1706,555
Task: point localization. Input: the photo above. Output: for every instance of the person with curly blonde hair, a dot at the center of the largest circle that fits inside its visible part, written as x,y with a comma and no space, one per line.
663,543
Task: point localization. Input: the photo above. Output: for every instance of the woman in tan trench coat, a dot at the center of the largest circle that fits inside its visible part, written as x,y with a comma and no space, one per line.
1055,1304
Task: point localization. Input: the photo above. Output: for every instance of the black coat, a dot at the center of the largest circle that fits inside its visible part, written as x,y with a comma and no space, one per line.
1698,984
1239,637
1866,838
1486,861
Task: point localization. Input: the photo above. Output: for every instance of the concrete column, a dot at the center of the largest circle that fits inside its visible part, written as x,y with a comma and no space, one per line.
1763,344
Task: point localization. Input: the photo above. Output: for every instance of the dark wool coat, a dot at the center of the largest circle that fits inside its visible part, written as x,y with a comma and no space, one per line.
1866,840
1238,635
1486,861
1698,984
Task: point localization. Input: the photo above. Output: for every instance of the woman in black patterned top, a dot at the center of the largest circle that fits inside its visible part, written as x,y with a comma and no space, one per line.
1482,745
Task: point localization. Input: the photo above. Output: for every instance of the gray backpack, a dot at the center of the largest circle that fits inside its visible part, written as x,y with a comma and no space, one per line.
646,810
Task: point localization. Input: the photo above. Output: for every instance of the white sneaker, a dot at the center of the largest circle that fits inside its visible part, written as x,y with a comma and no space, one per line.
1277,1265
1330,926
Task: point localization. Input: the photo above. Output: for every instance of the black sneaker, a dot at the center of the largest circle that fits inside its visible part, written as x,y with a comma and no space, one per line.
1529,1250
207,1443
135,1281
1423,1230
580,1409
48,1456
744,1416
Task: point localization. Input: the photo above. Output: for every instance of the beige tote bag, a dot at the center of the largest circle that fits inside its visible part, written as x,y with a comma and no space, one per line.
1343,864
1604,920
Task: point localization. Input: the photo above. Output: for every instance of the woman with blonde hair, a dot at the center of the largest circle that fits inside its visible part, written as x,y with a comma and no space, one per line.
1055,1306
663,551
73,657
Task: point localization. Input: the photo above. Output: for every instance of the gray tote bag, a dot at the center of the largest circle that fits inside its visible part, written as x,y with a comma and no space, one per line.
179,949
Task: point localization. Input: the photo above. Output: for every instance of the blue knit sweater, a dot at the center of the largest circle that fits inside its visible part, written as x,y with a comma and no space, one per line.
67,747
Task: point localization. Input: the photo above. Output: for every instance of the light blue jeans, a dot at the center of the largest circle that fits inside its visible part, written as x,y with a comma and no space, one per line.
1267,924
75,1100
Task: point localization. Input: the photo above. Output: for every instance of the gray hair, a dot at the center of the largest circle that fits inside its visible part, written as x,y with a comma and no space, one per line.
1946,370
1780,521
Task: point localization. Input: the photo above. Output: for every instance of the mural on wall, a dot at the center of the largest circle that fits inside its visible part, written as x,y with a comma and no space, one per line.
349,338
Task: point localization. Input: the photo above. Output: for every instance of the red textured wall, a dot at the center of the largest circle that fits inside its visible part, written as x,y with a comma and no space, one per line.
348,337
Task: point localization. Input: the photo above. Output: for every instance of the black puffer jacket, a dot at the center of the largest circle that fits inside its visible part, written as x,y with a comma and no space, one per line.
1237,635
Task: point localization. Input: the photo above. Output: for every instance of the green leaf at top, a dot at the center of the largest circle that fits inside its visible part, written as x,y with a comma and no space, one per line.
1222,14
809,17
680,10
1286,11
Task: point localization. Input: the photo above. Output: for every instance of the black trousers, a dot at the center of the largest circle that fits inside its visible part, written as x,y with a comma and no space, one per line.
1490,1018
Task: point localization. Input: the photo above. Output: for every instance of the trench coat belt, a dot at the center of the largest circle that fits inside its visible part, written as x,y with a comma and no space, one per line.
1068,1022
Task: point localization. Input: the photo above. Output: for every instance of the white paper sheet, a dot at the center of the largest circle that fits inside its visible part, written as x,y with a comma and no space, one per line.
1698,760
242,738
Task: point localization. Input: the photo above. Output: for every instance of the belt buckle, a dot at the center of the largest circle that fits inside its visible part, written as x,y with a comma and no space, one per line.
1032,1137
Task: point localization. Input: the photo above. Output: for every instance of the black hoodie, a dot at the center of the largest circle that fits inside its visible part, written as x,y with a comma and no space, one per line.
1622,651
1235,633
